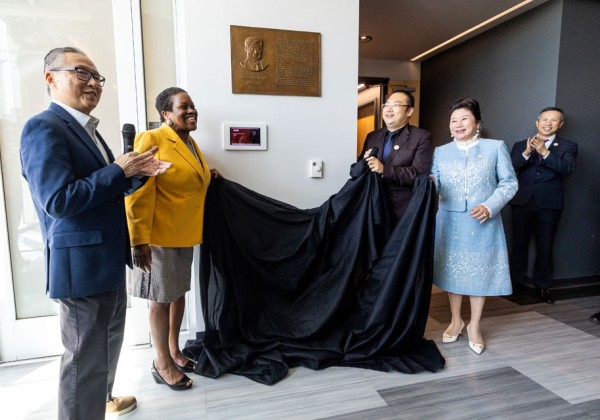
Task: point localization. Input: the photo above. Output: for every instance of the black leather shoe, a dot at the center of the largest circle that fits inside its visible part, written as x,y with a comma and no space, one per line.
181,385
546,296
595,318
190,366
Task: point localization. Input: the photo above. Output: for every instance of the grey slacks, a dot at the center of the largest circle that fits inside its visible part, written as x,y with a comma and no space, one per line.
92,331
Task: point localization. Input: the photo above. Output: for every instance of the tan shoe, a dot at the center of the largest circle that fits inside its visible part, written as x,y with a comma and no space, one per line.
118,406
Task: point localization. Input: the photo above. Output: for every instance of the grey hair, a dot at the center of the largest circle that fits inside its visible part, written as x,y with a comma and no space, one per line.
50,60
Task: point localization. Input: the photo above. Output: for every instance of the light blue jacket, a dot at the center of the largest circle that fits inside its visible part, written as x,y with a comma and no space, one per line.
481,175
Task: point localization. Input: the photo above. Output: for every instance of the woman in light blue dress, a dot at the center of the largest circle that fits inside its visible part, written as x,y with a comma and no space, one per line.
475,180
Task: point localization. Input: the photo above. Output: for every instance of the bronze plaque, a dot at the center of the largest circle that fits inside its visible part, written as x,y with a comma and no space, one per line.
275,62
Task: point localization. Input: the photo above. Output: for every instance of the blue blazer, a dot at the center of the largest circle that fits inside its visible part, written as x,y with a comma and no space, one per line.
79,200
543,179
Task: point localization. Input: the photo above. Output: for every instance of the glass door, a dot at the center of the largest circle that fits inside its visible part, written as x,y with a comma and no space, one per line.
109,31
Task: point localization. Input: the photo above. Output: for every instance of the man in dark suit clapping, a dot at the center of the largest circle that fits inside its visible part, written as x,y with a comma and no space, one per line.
540,162
404,151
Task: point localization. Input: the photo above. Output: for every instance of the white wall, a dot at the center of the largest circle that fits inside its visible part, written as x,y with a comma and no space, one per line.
299,128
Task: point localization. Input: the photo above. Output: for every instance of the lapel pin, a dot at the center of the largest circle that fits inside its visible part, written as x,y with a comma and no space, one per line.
396,147
555,144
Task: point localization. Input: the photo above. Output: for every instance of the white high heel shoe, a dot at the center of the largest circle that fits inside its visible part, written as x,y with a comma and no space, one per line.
476,347
446,338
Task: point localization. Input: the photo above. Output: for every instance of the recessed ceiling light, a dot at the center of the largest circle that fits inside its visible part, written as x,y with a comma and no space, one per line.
364,38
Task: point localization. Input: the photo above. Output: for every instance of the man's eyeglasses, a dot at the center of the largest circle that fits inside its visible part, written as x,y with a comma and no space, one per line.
84,75
388,105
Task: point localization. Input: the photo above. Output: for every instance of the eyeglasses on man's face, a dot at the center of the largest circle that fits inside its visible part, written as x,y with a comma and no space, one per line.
84,75
394,105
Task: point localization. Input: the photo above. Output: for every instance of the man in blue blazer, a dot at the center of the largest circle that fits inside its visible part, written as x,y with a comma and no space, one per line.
540,163
78,191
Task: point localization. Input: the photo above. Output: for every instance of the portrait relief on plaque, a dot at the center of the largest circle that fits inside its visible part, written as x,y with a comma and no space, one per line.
253,46
275,62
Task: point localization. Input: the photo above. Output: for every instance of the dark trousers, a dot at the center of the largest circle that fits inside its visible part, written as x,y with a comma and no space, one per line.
531,220
92,331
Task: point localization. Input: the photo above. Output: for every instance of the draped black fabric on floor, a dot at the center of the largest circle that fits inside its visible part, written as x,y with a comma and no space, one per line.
284,287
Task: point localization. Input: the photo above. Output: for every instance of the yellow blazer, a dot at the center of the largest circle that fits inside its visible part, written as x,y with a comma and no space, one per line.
168,210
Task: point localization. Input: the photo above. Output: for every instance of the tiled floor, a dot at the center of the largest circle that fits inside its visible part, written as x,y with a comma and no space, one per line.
541,362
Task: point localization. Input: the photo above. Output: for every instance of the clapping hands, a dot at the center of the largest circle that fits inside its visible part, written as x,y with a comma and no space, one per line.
136,164
538,144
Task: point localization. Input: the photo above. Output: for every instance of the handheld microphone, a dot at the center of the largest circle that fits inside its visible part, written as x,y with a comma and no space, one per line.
128,133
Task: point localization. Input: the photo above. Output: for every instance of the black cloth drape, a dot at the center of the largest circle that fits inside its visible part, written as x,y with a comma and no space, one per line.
333,285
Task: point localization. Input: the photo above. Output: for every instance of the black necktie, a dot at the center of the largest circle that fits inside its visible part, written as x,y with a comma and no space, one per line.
387,146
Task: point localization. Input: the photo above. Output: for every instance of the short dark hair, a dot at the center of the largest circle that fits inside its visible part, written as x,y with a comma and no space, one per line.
54,54
409,95
164,100
469,104
552,108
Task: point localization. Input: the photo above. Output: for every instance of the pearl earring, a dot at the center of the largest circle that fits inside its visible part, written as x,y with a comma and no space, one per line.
169,122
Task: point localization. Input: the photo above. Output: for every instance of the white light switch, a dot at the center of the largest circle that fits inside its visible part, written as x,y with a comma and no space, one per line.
316,168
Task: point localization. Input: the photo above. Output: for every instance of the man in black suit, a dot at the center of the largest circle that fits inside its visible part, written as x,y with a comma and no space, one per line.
540,162
404,151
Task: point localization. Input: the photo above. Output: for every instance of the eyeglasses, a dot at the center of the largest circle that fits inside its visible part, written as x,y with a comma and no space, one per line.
393,105
84,75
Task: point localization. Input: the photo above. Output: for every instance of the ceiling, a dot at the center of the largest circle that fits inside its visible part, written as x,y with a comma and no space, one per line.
403,29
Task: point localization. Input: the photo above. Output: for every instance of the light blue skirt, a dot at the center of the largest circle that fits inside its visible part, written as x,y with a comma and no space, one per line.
471,257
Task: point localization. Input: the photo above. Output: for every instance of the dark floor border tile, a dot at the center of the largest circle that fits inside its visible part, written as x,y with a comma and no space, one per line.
495,393
591,408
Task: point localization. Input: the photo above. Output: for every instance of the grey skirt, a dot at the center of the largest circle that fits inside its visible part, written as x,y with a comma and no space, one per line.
169,277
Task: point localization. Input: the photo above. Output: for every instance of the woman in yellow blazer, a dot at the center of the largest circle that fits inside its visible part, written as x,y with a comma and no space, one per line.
165,222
